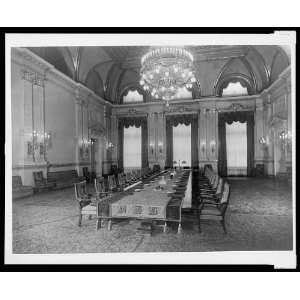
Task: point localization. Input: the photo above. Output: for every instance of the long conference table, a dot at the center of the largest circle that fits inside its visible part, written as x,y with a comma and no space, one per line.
144,200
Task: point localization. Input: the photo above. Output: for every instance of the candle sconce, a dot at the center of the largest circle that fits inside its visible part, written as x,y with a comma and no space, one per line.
160,147
286,139
39,141
152,145
109,146
262,140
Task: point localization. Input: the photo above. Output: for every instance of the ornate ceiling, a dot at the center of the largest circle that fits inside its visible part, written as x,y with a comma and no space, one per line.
111,71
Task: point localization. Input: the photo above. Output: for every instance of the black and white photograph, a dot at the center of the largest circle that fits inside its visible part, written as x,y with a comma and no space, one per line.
158,148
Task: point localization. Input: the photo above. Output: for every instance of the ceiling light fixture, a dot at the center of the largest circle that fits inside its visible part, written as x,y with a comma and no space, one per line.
165,70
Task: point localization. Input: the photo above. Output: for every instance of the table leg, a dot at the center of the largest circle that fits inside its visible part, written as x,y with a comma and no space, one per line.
165,227
179,228
109,225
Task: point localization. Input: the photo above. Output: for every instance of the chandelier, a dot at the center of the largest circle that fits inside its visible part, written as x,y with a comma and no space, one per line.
165,70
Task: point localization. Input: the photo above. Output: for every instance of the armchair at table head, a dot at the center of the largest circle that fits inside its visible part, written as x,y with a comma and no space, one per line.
100,187
86,202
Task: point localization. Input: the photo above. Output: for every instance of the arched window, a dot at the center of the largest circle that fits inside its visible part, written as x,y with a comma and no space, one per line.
183,93
133,96
234,89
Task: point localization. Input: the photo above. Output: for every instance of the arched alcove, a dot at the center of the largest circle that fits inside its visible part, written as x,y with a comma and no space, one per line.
237,81
132,94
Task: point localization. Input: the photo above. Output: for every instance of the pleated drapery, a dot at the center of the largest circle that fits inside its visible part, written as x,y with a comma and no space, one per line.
169,146
175,120
144,145
229,118
194,143
120,145
137,122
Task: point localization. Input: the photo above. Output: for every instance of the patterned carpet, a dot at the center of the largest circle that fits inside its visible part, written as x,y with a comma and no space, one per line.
259,217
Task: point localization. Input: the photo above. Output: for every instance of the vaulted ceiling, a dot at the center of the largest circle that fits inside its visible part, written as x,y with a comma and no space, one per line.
111,71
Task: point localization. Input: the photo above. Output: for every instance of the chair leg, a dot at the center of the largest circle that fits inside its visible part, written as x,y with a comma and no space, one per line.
98,223
80,219
165,227
223,225
179,228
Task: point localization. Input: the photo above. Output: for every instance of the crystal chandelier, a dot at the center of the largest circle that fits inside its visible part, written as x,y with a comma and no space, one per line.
165,70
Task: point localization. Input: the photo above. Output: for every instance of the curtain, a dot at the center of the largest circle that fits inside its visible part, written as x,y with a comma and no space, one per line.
132,149
126,122
236,144
182,145
144,145
222,163
120,144
250,144
186,119
169,147
230,117
194,143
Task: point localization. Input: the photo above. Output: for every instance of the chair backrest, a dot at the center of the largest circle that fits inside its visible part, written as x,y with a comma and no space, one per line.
128,176
16,181
80,190
225,198
215,181
99,185
225,195
38,176
220,186
111,182
85,171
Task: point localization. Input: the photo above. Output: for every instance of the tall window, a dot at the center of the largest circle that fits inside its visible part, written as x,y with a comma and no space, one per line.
234,89
182,145
133,96
183,93
132,151
236,145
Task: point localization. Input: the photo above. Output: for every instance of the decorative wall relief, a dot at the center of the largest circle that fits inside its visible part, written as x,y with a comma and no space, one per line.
237,107
178,108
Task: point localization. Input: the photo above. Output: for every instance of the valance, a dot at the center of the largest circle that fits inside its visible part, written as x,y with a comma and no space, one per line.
236,116
186,119
132,121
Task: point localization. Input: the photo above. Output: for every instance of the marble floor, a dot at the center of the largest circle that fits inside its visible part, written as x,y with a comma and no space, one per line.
259,217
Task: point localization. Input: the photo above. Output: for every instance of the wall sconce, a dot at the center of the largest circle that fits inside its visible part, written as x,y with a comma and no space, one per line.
109,146
262,140
48,140
212,147
151,145
160,147
286,138
41,141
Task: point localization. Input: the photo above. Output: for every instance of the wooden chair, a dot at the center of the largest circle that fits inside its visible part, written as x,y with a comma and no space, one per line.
86,202
121,181
212,195
100,187
112,184
215,211
41,183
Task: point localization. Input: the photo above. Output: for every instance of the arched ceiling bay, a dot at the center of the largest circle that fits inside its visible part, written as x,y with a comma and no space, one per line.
108,70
